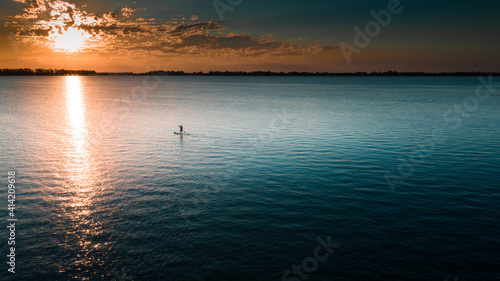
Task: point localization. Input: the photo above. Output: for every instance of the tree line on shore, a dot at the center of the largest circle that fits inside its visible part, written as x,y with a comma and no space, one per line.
44,72
60,72
296,73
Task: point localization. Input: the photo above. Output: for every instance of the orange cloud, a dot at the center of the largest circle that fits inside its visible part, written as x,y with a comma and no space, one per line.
43,22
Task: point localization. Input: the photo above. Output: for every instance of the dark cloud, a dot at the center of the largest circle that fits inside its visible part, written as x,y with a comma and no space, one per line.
224,42
234,45
114,29
183,29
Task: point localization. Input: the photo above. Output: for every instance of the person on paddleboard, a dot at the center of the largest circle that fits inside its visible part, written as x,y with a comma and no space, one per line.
180,127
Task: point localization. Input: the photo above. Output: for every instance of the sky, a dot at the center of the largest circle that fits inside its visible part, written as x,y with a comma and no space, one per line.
249,35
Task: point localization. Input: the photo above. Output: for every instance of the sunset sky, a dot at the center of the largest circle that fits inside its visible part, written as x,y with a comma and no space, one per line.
291,35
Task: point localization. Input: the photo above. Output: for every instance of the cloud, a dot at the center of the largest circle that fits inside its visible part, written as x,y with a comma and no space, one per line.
43,20
192,28
233,45
127,12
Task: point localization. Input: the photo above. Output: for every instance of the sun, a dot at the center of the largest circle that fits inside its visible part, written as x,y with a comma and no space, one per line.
70,40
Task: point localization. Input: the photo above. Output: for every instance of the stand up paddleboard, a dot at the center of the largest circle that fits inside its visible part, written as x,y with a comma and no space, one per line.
182,134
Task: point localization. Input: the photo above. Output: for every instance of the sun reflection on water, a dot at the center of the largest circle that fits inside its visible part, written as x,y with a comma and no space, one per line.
82,187
76,113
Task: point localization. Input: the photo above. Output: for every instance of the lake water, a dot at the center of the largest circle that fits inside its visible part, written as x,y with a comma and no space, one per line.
402,172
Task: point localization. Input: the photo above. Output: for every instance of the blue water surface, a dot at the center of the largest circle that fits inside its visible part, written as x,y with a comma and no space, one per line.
402,172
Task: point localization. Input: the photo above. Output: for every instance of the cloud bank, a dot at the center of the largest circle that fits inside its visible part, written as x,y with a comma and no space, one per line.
124,32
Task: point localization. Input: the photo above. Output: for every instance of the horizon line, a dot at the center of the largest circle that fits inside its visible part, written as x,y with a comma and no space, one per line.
83,72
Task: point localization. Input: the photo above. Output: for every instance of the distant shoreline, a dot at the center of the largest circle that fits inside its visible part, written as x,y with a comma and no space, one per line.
63,72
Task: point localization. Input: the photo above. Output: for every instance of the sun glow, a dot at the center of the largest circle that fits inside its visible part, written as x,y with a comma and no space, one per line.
70,40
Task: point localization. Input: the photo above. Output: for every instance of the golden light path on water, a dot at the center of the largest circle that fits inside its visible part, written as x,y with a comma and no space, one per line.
82,186
76,114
